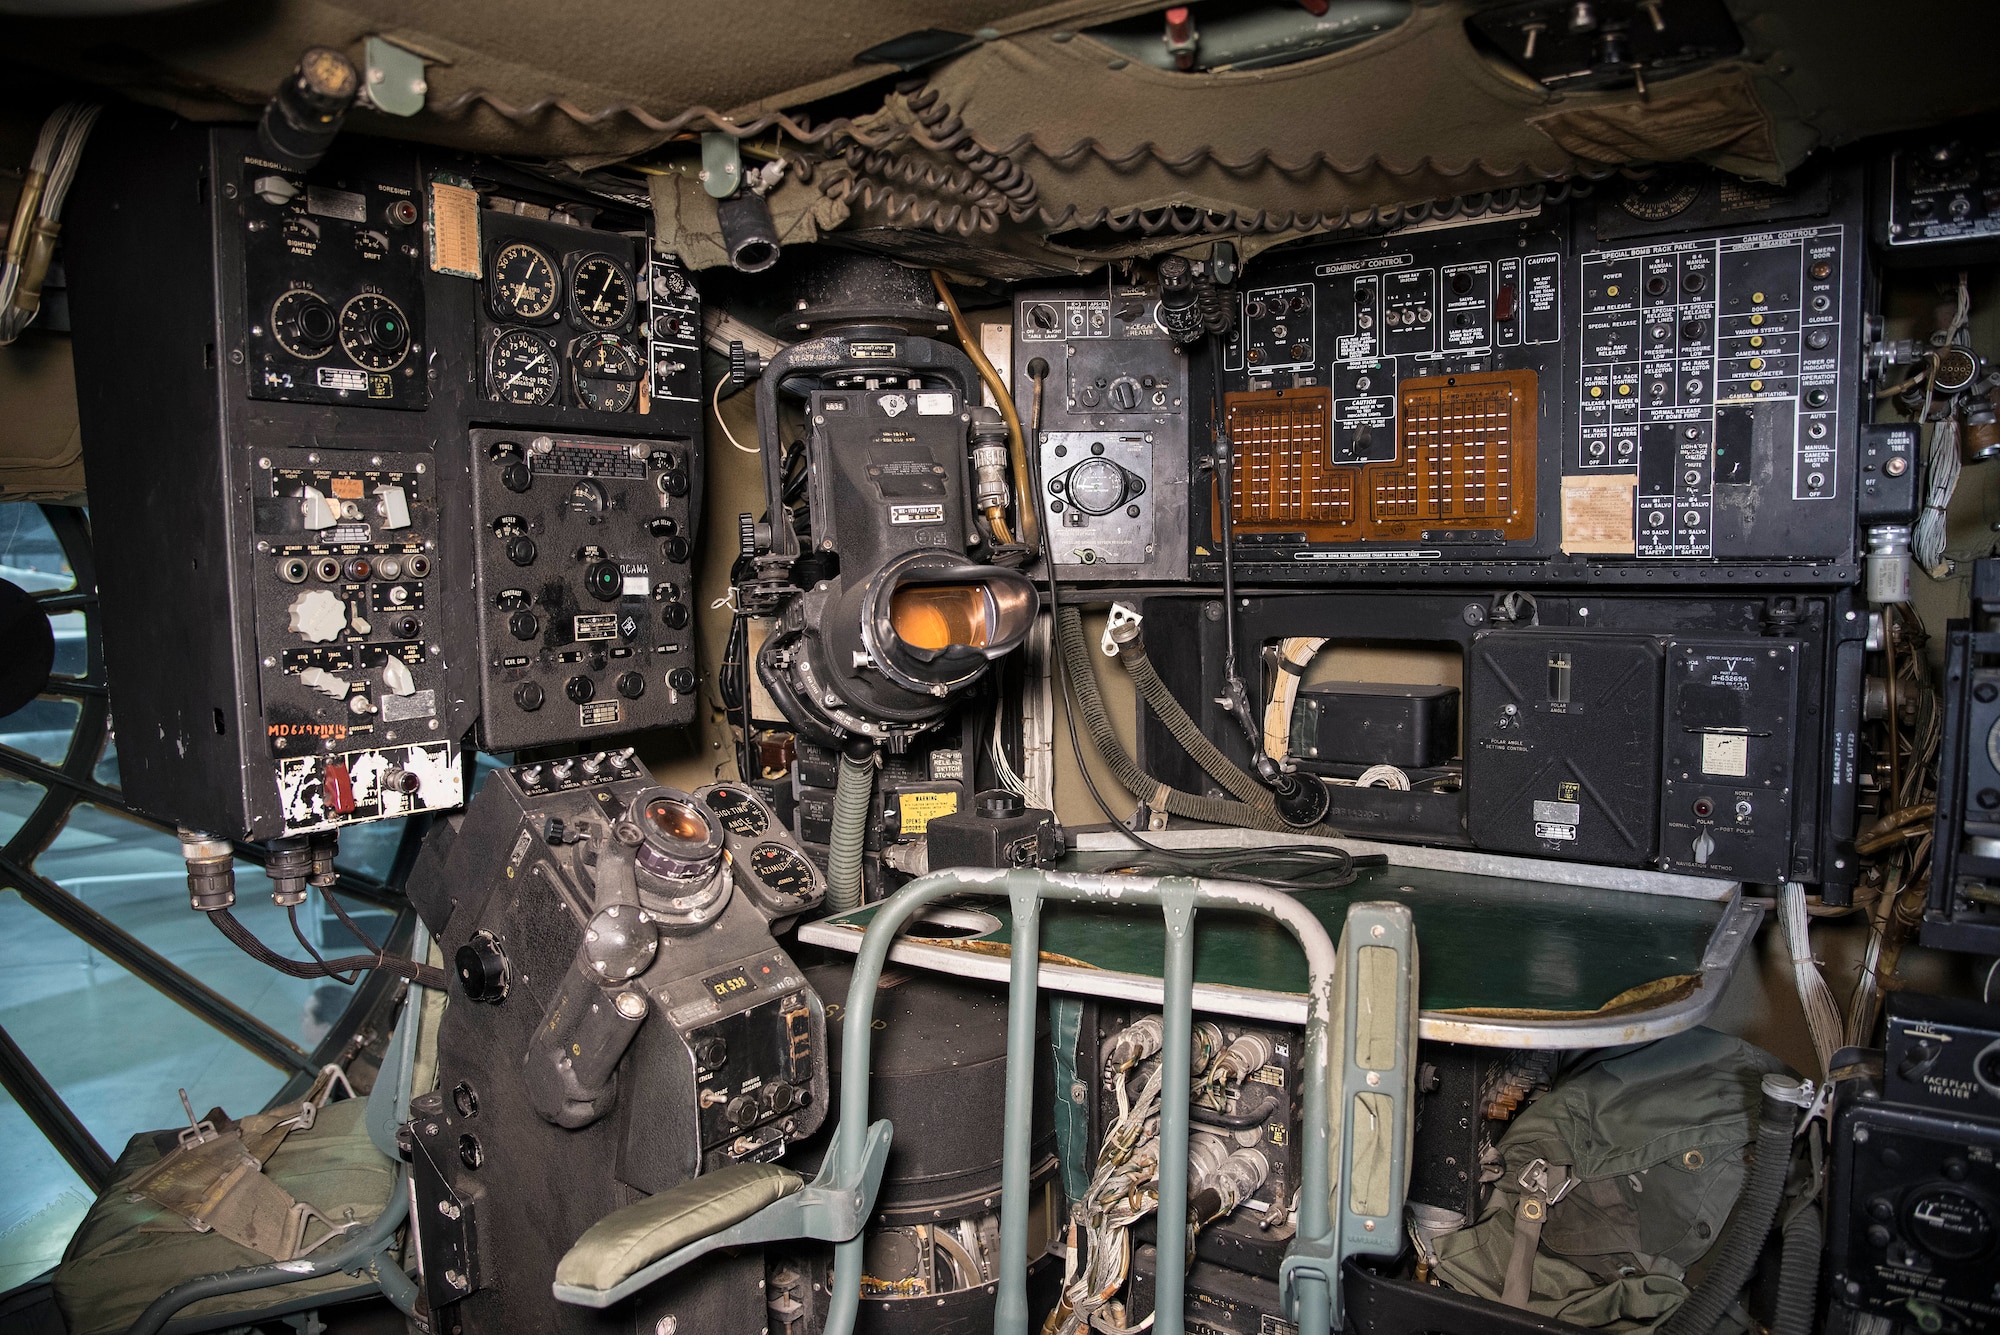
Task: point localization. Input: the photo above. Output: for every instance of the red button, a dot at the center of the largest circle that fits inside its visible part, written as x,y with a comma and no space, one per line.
339,786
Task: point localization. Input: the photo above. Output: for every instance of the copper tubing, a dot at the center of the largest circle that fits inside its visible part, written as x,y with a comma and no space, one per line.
1024,500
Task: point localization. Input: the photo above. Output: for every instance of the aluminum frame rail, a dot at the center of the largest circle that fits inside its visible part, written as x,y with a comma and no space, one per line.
1364,993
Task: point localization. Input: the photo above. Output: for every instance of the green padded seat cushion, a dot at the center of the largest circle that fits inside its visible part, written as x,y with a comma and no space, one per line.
626,1241
128,1252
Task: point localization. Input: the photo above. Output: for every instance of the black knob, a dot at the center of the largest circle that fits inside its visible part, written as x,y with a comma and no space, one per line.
681,679
386,331
1124,395
776,1097
709,1053
309,323
677,549
604,580
482,968
674,484
529,696
517,476
521,550
631,685
523,625
580,689
742,1110
675,615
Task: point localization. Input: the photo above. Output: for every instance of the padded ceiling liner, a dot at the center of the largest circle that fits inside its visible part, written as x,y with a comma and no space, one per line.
1416,114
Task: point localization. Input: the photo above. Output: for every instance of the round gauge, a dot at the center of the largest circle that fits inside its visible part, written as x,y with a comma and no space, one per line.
739,812
782,870
602,294
522,368
607,372
1096,486
303,324
585,497
374,332
524,281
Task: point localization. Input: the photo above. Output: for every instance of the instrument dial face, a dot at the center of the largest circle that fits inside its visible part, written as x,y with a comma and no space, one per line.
374,332
602,298
525,285
739,812
1096,486
782,870
606,371
522,368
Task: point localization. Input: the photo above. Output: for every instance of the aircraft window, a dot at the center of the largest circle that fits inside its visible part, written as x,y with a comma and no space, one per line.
46,1199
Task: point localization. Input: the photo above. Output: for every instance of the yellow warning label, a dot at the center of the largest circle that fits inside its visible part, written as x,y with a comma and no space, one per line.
918,810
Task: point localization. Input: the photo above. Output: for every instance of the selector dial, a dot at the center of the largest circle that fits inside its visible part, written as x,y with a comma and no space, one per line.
374,332
304,324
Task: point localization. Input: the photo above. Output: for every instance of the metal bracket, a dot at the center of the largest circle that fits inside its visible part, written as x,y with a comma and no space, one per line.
1122,616
393,79
721,164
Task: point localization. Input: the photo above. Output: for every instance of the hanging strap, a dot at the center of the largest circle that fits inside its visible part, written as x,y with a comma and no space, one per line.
1542,1185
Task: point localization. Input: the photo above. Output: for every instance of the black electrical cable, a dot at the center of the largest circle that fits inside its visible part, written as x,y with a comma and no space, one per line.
340,911
298,934
1341,867
423,975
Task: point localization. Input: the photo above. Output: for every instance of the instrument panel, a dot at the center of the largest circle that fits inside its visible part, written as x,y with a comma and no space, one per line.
564,316
1549,396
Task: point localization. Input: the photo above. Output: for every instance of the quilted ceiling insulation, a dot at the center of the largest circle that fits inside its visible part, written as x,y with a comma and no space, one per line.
1028,144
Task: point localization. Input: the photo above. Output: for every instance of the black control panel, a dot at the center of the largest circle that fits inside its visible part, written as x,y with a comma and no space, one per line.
1113,429
274,547
1943,194
583,587
1580,392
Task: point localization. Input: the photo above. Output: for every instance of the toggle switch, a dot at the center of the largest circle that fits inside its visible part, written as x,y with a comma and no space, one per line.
393,504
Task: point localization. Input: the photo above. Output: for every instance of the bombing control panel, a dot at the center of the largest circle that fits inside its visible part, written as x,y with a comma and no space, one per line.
586,628
1559,393
1112,445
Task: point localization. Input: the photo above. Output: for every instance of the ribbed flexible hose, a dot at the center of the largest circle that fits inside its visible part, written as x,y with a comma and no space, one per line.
1162,702
851,793
1798,1273
1736,1255
1090,704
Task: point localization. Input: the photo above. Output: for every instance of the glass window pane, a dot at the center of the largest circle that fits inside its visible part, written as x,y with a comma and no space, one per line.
72,655
18,800
133,875
41,728
106,771
30,556
42,1203
369,850
114,1047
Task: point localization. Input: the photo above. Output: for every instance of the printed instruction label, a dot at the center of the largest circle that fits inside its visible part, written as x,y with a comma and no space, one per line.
1725,753
918,810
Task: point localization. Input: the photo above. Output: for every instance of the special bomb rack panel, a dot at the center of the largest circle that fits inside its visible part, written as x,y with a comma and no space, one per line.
1550,396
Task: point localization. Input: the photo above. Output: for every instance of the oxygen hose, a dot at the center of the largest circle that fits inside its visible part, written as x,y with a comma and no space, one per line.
1083,680
1798,1273
1735,1256
851,794
1132,653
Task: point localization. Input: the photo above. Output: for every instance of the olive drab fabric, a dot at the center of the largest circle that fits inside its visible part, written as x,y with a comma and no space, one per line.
1649,1146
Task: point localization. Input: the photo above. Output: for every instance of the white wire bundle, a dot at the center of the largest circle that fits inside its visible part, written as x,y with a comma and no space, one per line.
1941,465
1823,1020
50,172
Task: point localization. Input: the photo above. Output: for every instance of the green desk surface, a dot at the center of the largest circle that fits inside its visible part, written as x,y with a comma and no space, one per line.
1519,952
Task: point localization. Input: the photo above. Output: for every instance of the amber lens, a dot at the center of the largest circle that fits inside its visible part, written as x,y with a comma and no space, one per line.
677,820
938,616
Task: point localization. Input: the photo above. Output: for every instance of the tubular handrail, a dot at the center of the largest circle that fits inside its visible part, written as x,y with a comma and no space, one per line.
1339,999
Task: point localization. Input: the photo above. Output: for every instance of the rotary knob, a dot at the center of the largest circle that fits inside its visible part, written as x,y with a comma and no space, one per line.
481,968
631,685
521,550
516,476
604,580
529,696
1124,394
581,690
524,625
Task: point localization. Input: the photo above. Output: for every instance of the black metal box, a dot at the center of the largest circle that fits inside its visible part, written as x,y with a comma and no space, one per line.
1376,723
999,831
1943,1052
1562,743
